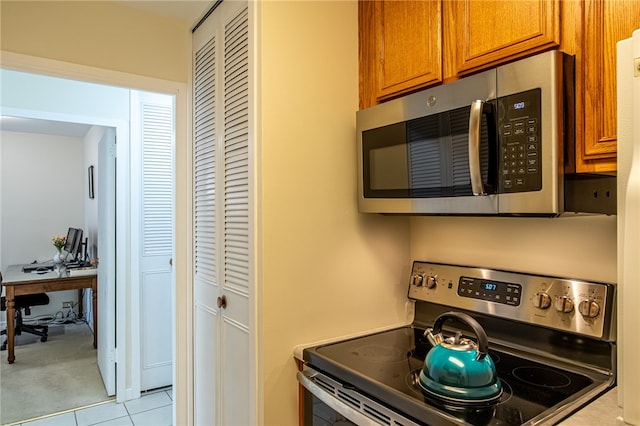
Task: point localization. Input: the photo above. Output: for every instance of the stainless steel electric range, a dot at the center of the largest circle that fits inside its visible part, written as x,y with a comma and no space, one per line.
552,341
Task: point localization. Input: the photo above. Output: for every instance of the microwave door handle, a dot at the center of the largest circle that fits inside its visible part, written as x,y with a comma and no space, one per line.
475,120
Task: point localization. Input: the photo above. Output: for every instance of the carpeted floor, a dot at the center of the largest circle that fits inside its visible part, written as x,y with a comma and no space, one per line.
50,377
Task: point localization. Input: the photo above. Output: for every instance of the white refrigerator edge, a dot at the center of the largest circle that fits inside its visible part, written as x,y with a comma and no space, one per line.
628,178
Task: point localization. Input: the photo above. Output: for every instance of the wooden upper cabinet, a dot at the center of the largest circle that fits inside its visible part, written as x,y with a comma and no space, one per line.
605,23
409,45
493,32
403,40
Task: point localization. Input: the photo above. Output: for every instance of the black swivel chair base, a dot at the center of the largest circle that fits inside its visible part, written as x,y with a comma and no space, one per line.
25,302
38,330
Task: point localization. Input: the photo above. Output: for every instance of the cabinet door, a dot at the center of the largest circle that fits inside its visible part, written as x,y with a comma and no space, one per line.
407,38
605,23
491,32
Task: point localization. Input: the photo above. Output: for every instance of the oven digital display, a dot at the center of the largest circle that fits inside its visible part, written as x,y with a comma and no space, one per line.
492,291
490,286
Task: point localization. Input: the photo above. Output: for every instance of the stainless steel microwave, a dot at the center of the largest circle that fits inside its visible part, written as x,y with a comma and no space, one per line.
488,144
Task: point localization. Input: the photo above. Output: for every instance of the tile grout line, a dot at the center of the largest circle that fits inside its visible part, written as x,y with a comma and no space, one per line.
75,410
70,410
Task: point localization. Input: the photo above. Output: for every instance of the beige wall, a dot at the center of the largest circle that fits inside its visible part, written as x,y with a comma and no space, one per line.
326,269
572,246
98,34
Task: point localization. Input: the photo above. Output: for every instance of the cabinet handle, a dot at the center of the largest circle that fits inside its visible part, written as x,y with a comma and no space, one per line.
222,302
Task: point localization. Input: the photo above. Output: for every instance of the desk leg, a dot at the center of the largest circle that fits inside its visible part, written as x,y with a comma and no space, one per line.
11,322
94,300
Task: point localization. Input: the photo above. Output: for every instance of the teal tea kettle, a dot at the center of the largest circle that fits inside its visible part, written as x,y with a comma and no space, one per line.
457,369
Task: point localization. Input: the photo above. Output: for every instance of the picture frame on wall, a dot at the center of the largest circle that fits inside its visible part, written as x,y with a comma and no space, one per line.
91,192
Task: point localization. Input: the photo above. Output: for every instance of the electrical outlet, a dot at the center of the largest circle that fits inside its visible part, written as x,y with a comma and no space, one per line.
67,305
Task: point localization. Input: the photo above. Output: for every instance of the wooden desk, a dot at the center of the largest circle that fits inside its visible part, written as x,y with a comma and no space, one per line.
18,283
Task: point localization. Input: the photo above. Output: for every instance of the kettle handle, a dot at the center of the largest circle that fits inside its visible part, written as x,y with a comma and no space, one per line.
483,340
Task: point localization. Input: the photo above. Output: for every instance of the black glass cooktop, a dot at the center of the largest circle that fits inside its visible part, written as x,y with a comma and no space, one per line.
386,366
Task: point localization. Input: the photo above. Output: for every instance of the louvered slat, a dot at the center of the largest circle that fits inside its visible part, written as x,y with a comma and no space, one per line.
204,163
157,130
236,148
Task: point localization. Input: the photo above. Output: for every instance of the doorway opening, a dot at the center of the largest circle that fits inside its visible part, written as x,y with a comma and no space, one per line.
123,113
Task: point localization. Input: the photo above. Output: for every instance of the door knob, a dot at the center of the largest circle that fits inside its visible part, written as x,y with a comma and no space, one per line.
222,302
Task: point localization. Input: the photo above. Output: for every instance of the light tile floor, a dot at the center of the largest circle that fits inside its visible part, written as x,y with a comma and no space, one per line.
152,409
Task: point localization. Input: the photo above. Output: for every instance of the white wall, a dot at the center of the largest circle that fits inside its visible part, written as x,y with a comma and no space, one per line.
38,96
43,193
43,181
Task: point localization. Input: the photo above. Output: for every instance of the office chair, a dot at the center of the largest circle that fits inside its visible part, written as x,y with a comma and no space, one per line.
25,303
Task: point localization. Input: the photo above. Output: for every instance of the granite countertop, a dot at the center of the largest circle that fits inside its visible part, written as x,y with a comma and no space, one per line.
601,412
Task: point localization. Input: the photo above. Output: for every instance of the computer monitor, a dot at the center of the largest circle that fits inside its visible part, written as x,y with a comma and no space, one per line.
76,250
73,244
71,239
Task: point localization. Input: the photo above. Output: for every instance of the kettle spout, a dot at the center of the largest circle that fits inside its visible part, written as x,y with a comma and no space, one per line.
434,339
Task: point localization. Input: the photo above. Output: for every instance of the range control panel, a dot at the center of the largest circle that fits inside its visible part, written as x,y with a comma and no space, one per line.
564,304
491,290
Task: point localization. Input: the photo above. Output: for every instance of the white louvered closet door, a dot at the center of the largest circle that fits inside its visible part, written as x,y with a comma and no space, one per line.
152,149
224,369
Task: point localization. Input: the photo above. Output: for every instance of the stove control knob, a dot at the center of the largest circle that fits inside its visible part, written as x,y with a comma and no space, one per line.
432,281
541,300
563,304
417,280
589,308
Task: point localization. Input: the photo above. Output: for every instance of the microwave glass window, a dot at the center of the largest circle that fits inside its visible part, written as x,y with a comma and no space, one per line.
425,157
389,168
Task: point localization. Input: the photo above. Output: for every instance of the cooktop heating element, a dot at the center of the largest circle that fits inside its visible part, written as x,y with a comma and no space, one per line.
549,359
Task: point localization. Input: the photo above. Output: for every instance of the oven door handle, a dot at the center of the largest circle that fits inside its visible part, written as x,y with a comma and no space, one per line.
305,379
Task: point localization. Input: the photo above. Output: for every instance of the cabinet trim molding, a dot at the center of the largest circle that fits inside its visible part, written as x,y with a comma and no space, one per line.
596,144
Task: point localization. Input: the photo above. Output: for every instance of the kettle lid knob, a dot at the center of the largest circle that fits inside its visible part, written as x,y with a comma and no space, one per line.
434,339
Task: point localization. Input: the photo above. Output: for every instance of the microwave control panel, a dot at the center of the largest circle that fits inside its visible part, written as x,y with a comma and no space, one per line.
519,133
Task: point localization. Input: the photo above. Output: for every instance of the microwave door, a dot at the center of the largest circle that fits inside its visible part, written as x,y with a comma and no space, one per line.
413,152
422,165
